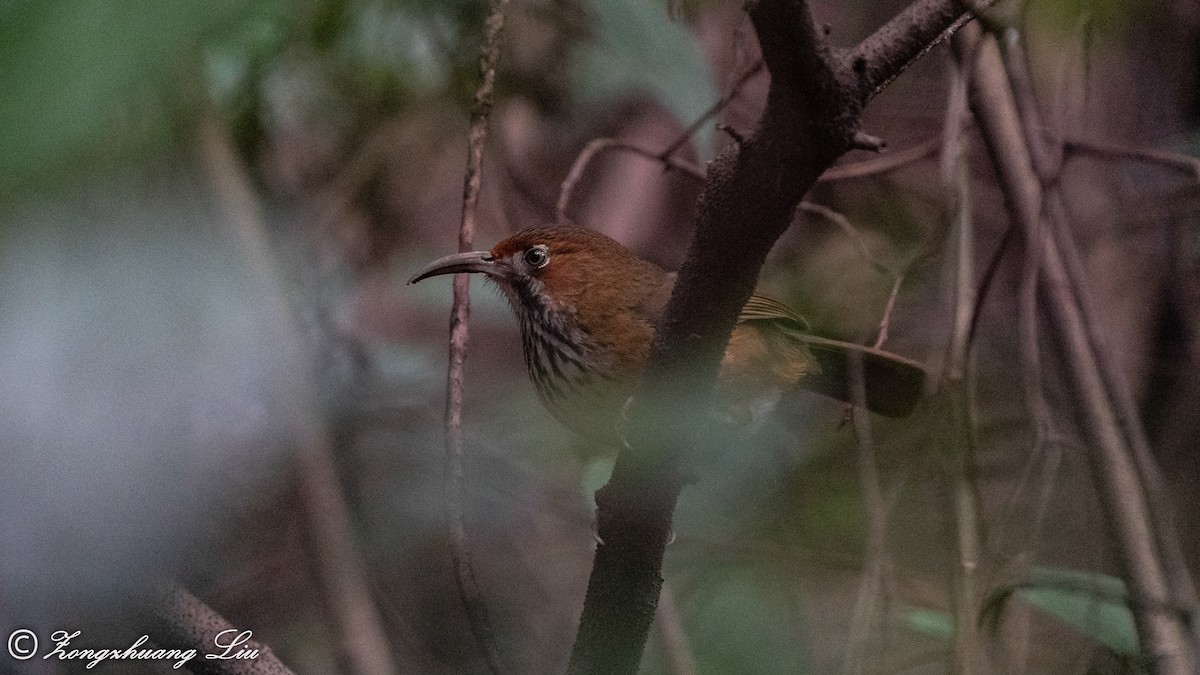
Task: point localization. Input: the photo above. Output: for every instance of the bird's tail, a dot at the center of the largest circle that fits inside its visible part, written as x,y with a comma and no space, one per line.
893,384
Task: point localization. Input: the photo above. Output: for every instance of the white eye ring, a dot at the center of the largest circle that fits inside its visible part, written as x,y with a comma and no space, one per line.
537,256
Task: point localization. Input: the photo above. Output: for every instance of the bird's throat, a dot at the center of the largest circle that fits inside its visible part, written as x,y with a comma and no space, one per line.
573,376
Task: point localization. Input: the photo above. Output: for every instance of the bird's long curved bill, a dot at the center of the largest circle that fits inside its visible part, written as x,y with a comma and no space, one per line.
474,261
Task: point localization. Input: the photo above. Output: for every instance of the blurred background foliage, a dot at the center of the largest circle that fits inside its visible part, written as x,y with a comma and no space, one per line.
142,418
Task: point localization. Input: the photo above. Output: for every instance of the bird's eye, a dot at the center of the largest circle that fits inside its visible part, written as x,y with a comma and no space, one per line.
537,256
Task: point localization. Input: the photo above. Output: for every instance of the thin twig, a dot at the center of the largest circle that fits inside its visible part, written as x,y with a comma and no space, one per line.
852,232
667,157
1170,160
886,321
1028,338
882,164
895,276
1128,415
1045,453
1126,410
358,637
985,283
959,372
870,589
712,111
464,572
596,146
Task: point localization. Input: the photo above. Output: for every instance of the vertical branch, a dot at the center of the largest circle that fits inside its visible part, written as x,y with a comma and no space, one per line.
871,585
1128,418
464,572
359,640
1166,641
958,375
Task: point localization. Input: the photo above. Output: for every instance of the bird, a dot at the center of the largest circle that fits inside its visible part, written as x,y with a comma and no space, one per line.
588,308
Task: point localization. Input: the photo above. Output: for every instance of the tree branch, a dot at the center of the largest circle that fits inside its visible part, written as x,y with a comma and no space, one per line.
179,620
1124,407
890,50
464,572
1170,160
750,195
884,164
357,632
595,147
868,604
712,111
1165,640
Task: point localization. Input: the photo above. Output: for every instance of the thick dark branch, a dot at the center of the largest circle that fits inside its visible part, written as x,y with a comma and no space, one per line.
750,196
901,41
179,620
795,53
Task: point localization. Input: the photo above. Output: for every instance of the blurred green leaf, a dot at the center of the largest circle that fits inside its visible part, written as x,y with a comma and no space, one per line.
1104,15
740,622
928,622
83,82
403,42
596,474
634,46
1094,604
229,61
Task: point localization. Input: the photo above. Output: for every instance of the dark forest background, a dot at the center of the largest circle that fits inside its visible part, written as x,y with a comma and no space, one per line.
208,212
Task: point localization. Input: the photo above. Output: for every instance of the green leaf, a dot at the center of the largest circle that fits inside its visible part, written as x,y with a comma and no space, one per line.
1094,604
634,47
928,622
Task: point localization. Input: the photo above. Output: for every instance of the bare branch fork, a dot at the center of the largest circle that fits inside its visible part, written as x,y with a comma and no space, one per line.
811,118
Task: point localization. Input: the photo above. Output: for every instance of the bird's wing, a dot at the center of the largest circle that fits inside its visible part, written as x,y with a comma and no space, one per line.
893,383
763,308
